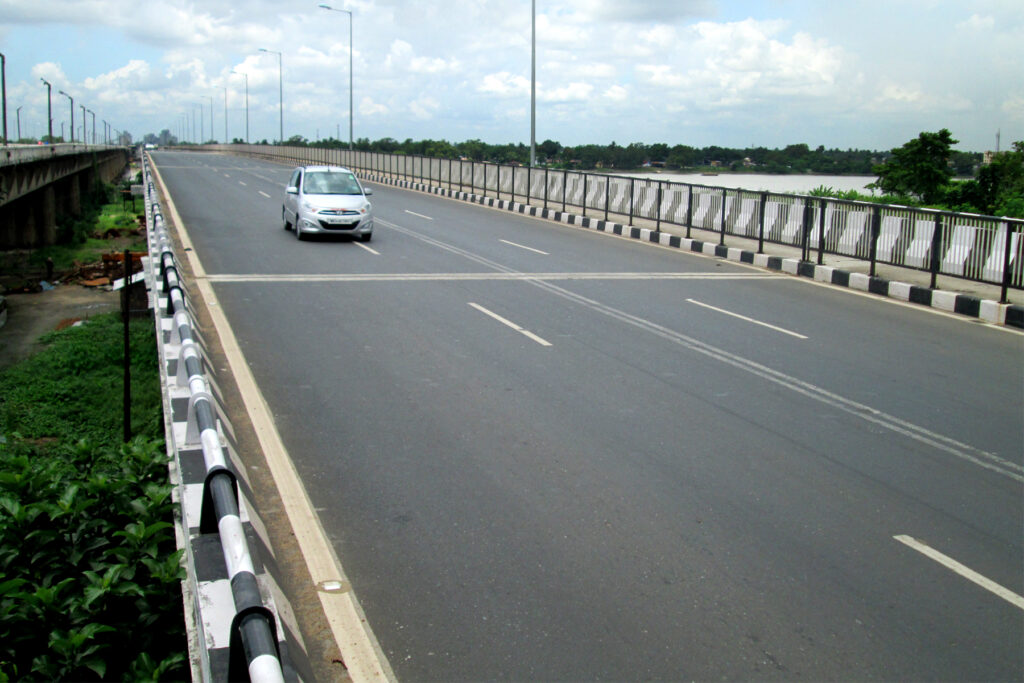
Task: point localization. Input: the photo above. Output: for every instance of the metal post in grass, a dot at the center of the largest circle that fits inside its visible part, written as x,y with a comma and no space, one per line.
125,315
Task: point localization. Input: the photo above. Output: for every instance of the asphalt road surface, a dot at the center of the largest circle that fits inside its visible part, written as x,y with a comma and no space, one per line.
544,453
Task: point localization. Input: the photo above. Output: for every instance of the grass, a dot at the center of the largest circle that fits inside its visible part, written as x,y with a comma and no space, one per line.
90,577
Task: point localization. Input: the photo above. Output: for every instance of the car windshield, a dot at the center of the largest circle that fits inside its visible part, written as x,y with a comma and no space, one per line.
322,182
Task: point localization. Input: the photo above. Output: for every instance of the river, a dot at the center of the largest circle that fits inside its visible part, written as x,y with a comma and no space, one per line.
785,184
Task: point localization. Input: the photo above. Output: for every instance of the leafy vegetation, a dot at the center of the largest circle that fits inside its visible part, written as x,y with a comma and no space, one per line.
89,572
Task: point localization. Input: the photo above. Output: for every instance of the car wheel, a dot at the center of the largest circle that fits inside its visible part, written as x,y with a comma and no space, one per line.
298,231
367,237
284,217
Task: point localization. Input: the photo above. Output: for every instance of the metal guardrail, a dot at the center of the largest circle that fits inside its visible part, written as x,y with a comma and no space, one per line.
984,249
254,653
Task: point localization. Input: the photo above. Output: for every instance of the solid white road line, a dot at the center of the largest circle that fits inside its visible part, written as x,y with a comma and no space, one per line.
264,194
966,572
509,323
418,215
749,320
364,658
538,251
527,277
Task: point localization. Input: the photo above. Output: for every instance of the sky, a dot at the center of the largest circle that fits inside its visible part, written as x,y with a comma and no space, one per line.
870,74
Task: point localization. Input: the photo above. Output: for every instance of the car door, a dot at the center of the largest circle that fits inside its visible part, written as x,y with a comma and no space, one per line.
291,199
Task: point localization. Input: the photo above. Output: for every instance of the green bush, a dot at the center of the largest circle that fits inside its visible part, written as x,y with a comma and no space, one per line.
90,577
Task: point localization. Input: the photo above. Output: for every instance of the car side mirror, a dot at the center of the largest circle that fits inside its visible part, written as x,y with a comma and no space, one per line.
291,190
367,191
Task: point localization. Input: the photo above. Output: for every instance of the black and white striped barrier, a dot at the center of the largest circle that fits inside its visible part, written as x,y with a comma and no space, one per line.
231,597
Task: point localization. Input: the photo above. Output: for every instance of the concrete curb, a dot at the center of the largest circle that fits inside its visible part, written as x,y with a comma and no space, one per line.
951,302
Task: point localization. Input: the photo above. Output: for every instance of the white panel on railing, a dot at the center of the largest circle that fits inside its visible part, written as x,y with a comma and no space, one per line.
924,231
993,270
959,249
892,227
856,221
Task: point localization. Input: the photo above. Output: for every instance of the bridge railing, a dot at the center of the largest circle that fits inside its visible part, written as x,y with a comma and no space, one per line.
253,651
987,249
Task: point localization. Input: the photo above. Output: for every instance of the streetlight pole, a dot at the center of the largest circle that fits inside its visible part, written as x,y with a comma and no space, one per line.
210,97
246,103
85,140
17,113
72,114
93,125
49,111
106,137
533,83
3,85
351,49
226,139
280,90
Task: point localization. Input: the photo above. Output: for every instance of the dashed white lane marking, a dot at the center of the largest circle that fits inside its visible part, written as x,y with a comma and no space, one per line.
509,323
264,194
241,182
962,570
418,215
538,251
368,248
749,320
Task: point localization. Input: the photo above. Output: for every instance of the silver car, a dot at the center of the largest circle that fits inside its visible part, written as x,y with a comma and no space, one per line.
325,200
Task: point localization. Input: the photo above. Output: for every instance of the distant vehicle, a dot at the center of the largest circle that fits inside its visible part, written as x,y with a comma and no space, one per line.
151,145
327,200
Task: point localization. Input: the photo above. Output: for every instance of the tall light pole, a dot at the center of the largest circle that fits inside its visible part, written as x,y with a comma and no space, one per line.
351,49
17,113
210,97
85,141
246,103
93,125
226,139
3,85
106,136
72,114
533,83
49,111
280,90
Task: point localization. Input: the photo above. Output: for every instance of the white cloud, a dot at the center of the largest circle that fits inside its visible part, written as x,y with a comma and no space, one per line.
573,92
424,107
505,84
617,93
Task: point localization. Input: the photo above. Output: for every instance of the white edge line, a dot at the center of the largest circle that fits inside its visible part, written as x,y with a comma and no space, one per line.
419,215
966,572
749,320
509,323
364,658
538,251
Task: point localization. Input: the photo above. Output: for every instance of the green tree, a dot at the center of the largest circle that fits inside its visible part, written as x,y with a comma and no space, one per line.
920,168
998,189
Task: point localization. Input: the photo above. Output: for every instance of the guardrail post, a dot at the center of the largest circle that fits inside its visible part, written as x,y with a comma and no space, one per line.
607,196
545,188
935,260
721,237
760,223
876,230
805,238
1006,264
632,197
565,185
661,197
585,195
821,230
689,209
